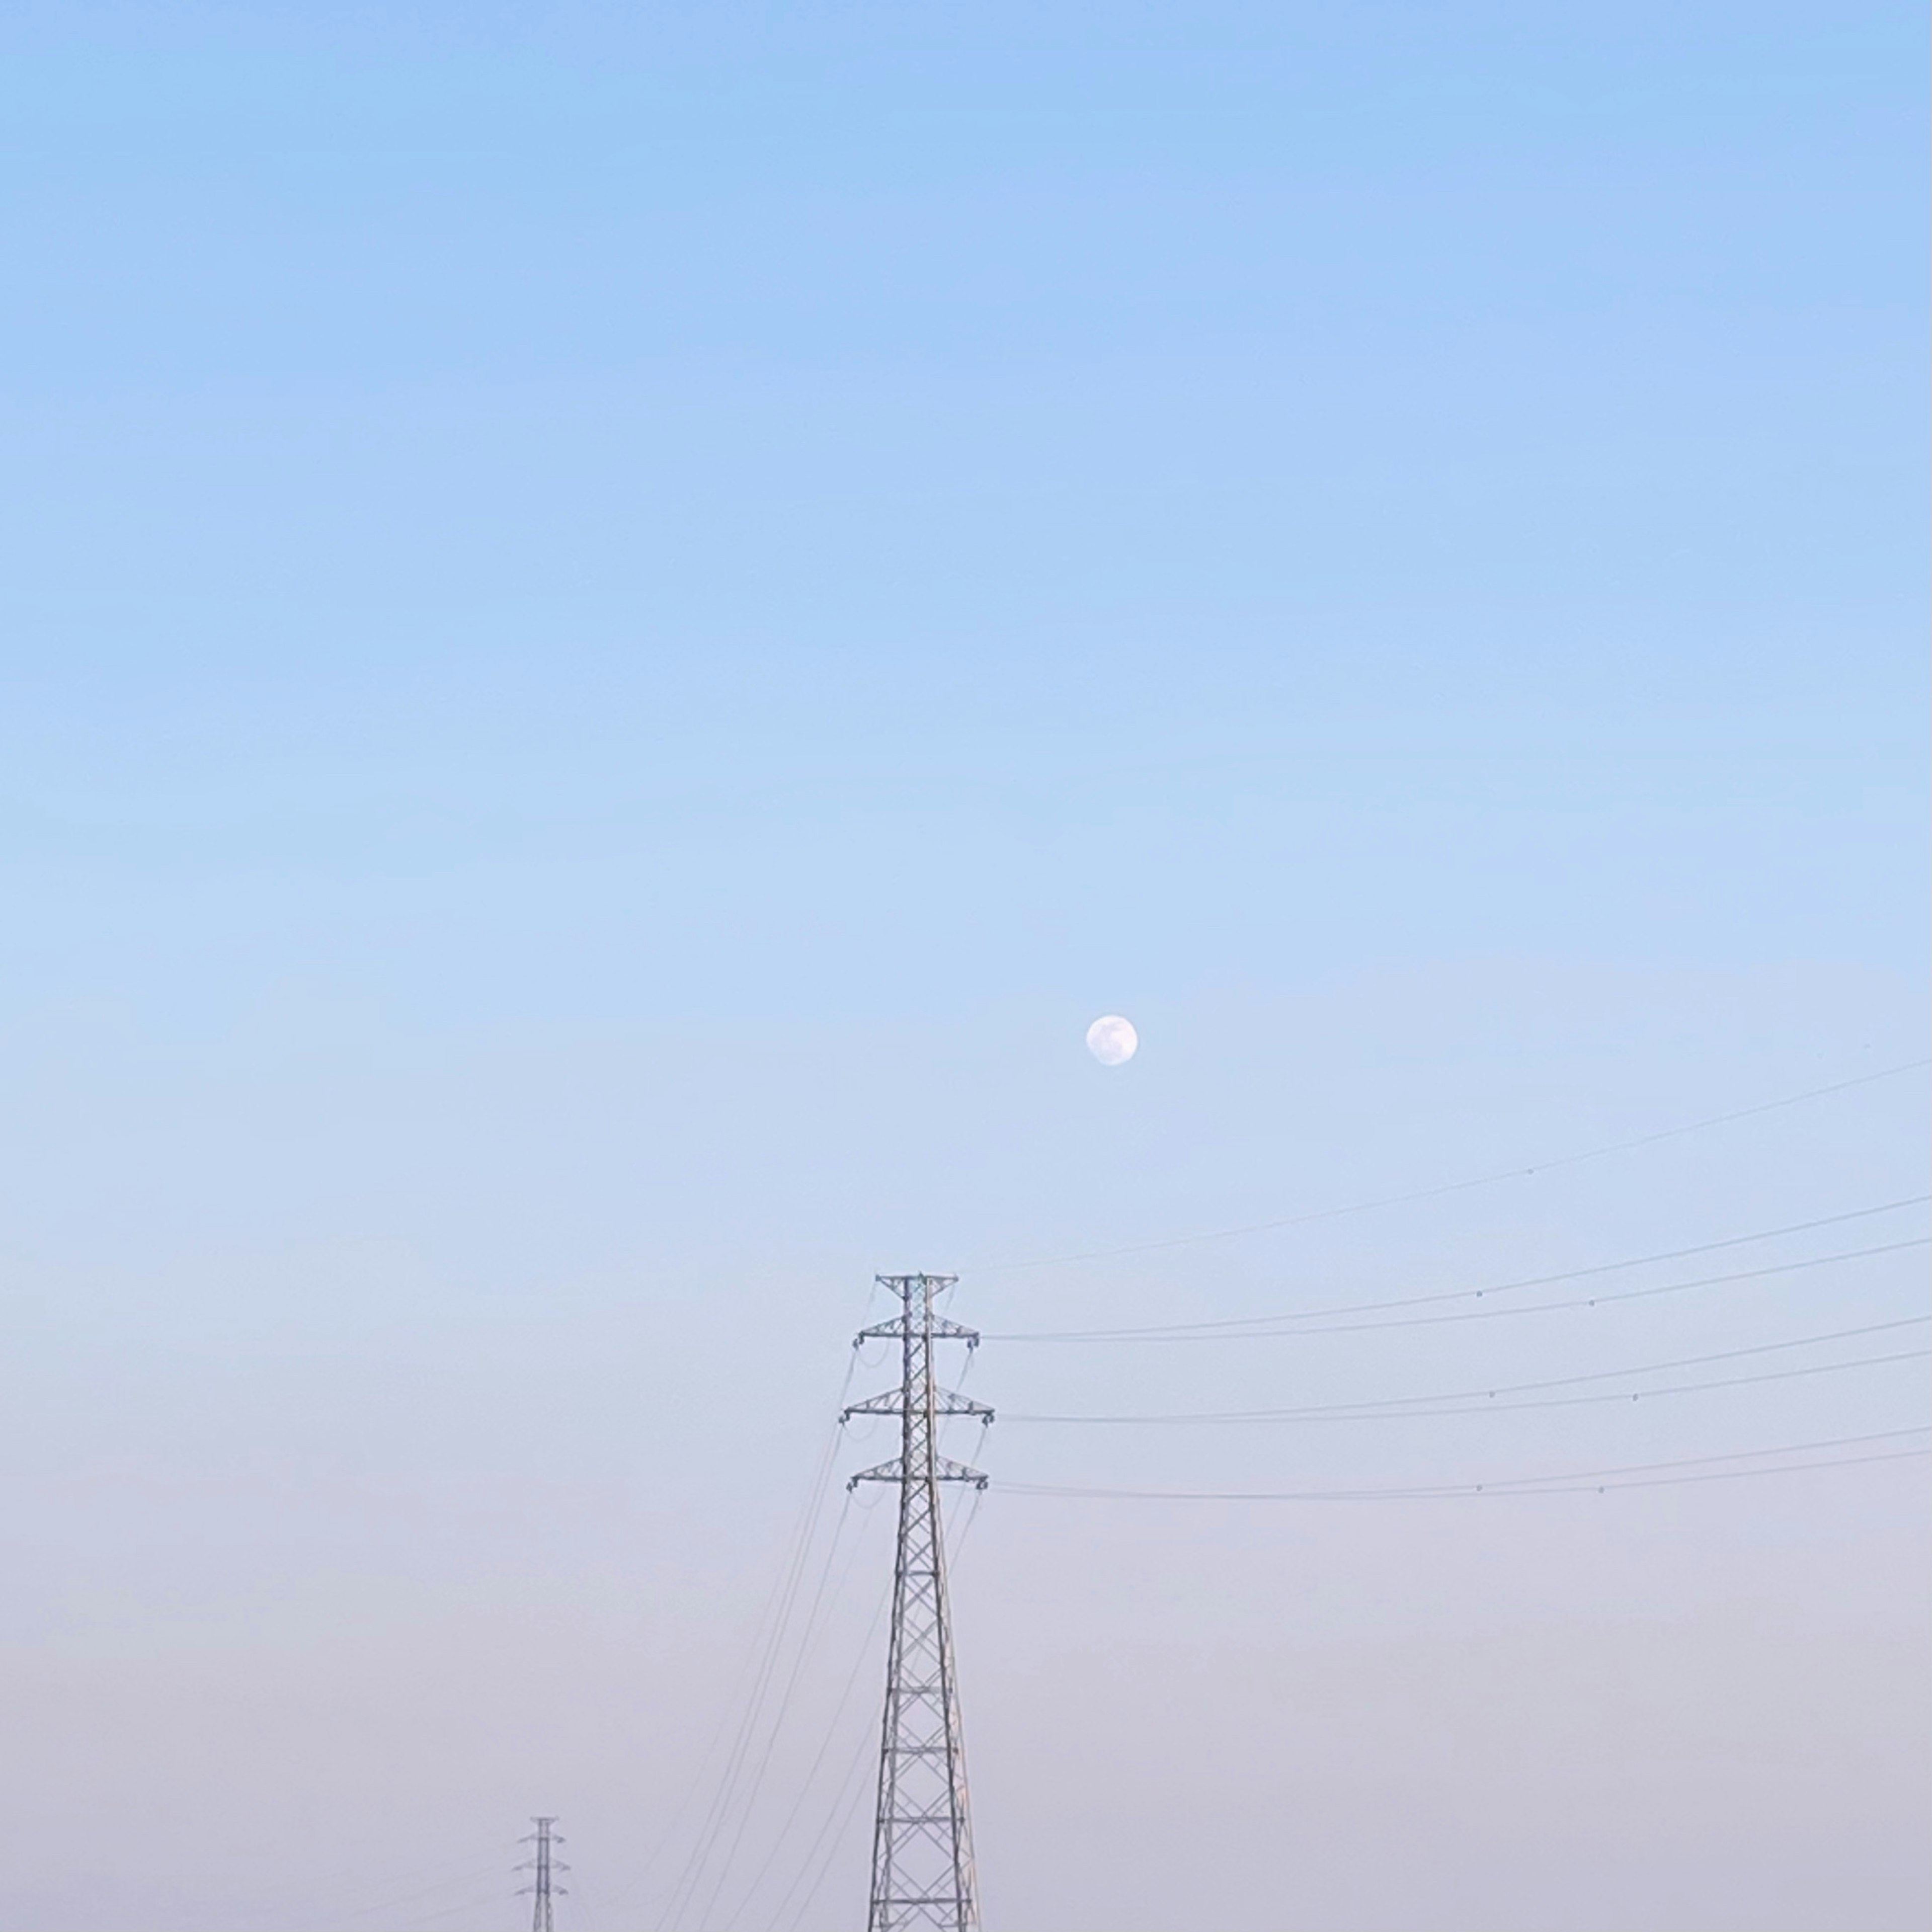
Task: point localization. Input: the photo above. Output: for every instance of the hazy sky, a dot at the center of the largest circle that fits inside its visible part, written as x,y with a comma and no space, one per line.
621,621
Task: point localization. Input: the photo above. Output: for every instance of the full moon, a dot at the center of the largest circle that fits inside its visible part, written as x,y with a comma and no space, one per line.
1110,1039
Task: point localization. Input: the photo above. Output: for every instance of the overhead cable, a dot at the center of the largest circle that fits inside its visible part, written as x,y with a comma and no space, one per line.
1216,1332
1484,1399
1461,1187
1634,1475
1246,1321
1368,1413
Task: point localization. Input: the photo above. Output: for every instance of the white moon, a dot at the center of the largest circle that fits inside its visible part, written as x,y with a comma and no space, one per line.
1110,1039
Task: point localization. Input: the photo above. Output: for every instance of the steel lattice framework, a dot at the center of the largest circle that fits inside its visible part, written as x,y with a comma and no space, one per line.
923,1842
543,1866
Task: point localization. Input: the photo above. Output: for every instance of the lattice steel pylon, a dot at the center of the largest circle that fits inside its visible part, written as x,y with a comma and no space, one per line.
922,1841
543,1866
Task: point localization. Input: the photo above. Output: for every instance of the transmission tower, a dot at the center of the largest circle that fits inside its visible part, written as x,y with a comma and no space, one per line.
922,1841
543,1864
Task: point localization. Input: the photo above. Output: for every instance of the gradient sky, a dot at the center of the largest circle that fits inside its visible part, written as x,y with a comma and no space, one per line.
620,622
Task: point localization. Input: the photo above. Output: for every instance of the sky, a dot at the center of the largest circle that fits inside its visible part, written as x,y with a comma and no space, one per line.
620,623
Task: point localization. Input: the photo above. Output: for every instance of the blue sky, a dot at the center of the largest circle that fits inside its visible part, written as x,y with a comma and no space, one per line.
936,469
619,624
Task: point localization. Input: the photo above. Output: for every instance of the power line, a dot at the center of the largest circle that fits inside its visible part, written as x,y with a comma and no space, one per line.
1182,1333
1570,1381
1242,1322
471,1907
1641,1475
699,1783
771,1644
806,1633
1395,1407
843,1816
469,1877
807,1782
1370,1414
1461,1187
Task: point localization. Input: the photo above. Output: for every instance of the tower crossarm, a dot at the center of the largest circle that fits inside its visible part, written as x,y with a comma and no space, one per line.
943,1329
944,1470
945,1402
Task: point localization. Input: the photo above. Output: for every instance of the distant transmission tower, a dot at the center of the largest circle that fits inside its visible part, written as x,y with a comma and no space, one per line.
542,1865
923,1842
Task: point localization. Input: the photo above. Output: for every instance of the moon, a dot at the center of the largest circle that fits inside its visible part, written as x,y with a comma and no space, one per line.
1112,1040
